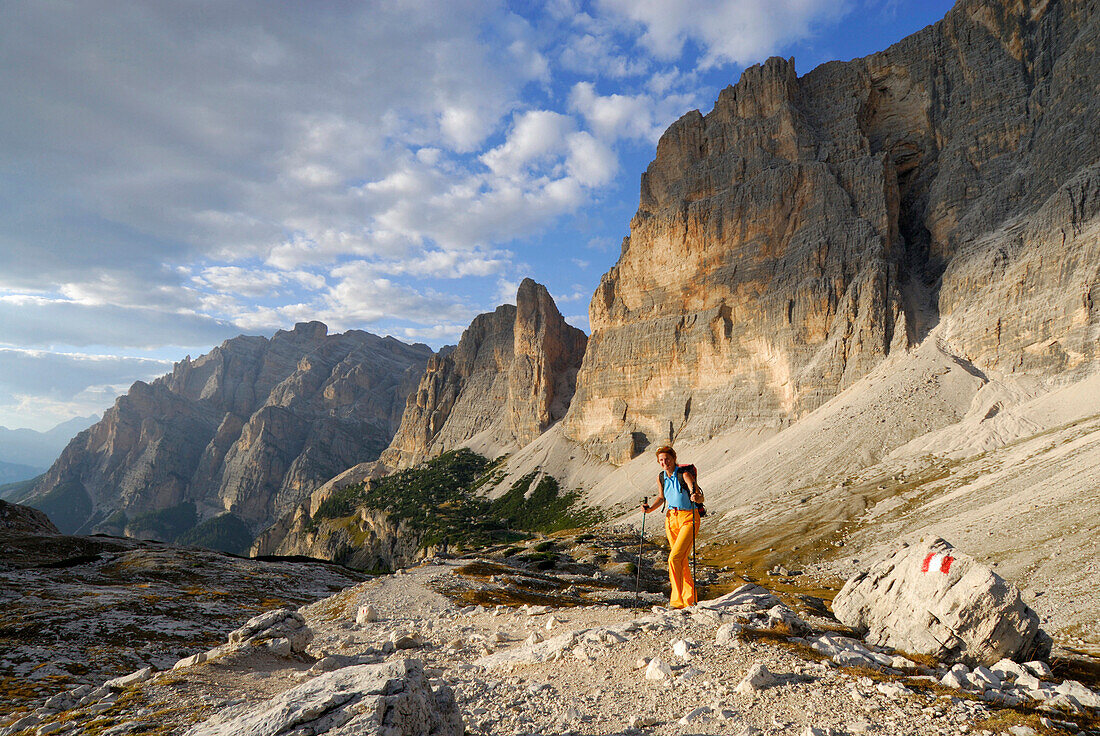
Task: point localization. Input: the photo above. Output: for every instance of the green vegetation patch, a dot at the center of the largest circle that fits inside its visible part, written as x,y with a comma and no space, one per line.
19,490
225,533
67,504
439,500
165,524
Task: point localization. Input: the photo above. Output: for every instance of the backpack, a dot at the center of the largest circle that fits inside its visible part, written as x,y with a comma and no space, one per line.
680,470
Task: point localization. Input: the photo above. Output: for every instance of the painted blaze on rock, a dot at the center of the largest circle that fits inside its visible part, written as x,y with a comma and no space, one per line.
932,599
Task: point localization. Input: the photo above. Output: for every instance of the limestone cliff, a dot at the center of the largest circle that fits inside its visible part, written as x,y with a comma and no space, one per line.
369,540
250,428
803,229
511,376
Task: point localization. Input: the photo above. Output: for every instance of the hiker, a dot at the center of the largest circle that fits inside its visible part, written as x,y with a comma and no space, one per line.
678,489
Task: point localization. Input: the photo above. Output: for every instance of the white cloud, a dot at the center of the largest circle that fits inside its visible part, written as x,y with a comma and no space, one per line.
580,321
591,162
613,117
360,297
254,282
40,321
450,332
40,388
506,291
742,32
597,54
535,136
225,134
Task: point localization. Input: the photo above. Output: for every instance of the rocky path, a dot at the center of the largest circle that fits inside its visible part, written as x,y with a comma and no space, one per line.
397,648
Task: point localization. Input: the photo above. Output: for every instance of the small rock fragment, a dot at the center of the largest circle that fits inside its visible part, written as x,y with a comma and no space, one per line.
657,670
700,714
757,678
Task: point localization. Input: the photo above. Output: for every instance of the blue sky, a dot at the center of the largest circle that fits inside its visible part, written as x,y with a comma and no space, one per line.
173,174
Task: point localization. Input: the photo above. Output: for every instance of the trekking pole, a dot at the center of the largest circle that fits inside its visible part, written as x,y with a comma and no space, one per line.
694,534
641,540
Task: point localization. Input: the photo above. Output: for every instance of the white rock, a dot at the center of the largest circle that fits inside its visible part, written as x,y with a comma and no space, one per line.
393,698
930,598
366,614
681,649
1006,669
642,722
23,723
533,639
280,623
893,689
727,634
191,661
657,670
279,647
1064,703
1022,731
551,622
1039,669
641,662
1027,681
757,678
134,678
691,673
985,676
406,640
572,714
582,653
1080,693
498,637
700,714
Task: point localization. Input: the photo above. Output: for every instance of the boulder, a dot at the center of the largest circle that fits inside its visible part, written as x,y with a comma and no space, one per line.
272,626
929,598
394,699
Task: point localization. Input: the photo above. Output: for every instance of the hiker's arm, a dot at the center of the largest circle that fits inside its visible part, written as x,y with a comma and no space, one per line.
696,493
657,502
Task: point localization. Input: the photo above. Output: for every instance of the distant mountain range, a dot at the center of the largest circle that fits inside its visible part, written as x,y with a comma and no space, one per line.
25,453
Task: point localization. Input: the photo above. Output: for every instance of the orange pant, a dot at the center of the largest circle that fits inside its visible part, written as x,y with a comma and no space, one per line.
680,528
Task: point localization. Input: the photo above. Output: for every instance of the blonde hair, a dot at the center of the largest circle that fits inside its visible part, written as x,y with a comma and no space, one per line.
666,450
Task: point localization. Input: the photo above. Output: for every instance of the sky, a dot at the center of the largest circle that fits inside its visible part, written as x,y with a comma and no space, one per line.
177,172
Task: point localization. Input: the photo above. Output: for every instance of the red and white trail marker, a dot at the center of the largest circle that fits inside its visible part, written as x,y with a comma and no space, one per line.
937,561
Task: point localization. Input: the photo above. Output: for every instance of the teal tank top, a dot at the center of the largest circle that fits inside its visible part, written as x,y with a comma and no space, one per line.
676,493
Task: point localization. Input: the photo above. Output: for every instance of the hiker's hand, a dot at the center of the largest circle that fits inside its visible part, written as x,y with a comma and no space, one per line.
697,497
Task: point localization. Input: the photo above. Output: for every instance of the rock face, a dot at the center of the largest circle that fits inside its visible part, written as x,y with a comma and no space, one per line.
791,238
251,428
371,540
16,519
933,599
511,376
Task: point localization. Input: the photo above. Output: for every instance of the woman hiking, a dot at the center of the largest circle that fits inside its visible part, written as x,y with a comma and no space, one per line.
678,489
